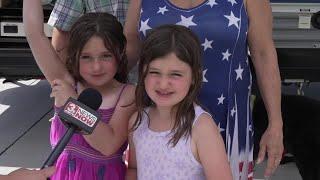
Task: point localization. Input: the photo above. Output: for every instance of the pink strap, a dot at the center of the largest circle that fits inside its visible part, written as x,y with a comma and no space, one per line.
125,85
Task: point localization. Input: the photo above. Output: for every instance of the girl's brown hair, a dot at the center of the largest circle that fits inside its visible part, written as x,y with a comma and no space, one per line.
185,45
109,29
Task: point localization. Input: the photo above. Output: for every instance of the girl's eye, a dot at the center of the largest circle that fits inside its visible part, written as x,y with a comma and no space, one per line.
153,72
176,75
85,58
106,57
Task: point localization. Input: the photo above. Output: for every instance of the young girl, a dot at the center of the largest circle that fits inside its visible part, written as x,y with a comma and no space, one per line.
173,137
96,59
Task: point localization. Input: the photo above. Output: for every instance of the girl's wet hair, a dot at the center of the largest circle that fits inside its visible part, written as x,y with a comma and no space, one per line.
185,45
109,29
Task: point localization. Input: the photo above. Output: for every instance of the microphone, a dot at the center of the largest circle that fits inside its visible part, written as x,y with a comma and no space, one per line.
78,115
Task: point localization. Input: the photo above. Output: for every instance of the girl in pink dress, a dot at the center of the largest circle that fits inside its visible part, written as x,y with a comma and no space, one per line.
96,59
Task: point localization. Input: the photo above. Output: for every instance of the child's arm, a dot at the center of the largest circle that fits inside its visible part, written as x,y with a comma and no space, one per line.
61,91
210,149
43,52
108,138
132,162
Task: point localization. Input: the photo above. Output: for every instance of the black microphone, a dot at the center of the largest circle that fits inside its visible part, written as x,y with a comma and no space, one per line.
78,115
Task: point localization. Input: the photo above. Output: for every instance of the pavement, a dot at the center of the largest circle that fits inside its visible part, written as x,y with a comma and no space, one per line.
25,110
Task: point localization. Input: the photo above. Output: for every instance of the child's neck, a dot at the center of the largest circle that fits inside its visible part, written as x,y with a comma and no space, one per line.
162,119
163,113
105,89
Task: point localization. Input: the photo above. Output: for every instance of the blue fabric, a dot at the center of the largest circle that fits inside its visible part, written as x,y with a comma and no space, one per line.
221,26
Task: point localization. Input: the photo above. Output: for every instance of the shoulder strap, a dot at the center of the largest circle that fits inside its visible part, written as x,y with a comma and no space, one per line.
121,91
198,111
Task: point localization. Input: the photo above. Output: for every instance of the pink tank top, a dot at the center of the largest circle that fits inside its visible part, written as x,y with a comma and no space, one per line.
156,160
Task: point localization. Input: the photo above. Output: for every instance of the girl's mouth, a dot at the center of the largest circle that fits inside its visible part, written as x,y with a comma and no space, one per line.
164,93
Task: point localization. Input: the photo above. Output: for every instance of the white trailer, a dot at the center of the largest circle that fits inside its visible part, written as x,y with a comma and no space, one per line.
296,33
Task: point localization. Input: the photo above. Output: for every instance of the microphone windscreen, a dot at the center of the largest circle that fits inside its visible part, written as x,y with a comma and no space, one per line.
90,97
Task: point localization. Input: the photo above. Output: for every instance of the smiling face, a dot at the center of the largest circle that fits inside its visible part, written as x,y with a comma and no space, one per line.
168,80
97,65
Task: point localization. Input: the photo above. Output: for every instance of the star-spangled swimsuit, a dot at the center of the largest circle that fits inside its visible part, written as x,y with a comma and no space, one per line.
221,26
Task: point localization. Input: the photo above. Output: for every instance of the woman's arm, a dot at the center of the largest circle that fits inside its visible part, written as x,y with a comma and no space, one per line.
210,148
131,32
265,63
132,161
42,50
108,138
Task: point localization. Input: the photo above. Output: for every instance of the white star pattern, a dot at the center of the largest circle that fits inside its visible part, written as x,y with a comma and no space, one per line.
226,55
250,127
144,26
233,110
250,130
221,99
187,22
162,10
239,72
233,20
204,79
211,3
232,2
207,44
220,129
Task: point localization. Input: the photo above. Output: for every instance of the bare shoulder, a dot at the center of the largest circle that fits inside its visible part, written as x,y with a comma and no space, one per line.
128,95
132,120
204,125
257,6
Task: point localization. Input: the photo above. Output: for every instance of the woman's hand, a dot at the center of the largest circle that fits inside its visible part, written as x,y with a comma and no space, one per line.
61,91
272,143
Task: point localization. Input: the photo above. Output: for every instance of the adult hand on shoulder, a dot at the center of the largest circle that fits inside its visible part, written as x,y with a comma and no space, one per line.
272,143
26,174
61,91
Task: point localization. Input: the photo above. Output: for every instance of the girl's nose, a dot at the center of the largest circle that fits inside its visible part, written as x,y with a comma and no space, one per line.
96,66
164,82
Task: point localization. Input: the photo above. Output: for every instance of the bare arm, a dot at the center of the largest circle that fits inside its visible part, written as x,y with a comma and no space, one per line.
131,32
132,162
211,149
42,50
60,42
26,174
265,62
108,138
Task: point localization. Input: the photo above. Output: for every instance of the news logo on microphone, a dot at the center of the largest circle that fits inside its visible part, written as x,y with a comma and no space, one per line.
78,115
82,116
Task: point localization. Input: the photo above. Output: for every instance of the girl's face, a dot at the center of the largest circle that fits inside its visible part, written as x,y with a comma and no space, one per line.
97,66
168,80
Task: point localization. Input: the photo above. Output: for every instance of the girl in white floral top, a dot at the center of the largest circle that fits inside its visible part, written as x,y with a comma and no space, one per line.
171,136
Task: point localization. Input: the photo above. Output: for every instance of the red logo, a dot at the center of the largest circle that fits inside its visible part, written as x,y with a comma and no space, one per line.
80,114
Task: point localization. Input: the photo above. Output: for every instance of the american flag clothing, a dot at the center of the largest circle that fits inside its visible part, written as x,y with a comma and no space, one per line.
221,26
